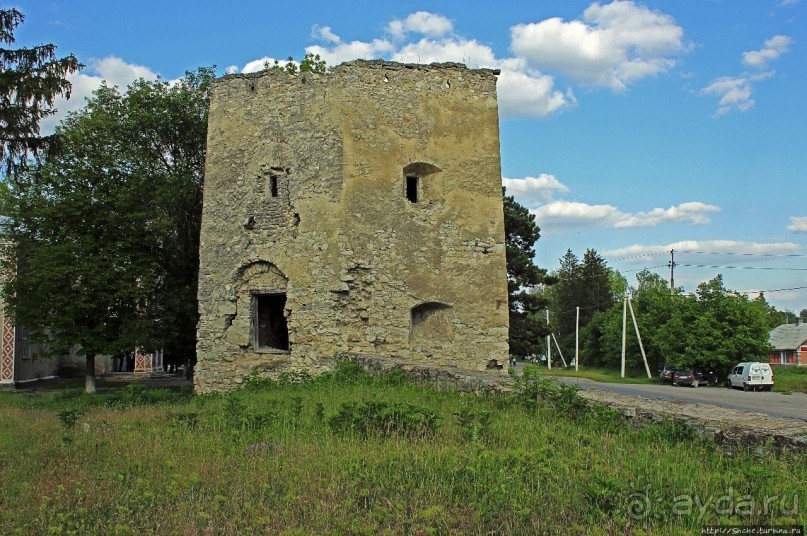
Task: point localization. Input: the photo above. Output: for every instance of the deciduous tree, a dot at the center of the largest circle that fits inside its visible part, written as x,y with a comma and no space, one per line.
105,232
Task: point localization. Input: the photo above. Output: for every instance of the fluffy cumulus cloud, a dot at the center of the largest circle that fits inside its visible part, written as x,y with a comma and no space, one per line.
112,70
522,90
611,45
543,196
798,224
422,22
534,191
736,92
771,50
560,216
565,215
325,33
693,212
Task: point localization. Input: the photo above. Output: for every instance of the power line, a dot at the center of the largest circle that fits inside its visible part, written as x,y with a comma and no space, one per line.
639,256
742,254
645,268
741,267
772,290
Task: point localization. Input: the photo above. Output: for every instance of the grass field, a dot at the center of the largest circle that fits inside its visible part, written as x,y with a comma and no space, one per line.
602,374
790,379
348,454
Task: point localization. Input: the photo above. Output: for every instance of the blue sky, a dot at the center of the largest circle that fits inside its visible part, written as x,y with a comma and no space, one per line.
629,127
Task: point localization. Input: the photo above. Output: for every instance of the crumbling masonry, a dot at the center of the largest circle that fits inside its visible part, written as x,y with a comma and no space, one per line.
354,212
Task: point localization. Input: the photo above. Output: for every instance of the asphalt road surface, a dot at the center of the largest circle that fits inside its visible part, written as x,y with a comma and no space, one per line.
793,406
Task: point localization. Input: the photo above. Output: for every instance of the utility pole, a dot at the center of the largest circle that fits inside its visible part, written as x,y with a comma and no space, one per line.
548,344
577,342
672,265
624,334
639,338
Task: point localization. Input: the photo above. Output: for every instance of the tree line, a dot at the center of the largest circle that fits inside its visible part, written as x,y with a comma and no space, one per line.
712,328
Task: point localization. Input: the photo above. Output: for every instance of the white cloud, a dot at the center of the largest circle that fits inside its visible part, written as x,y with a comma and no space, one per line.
735,92
798,224
534,191
353,50
727,247
522,91
469,52
325,33
422,22
113,70
612,46
693,212
259,64
558,216
771,50
531,95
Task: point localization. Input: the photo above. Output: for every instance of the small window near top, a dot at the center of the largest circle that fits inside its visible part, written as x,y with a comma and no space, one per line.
412,188
273,185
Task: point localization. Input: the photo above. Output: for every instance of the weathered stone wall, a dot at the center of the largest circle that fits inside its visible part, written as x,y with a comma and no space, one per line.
306,194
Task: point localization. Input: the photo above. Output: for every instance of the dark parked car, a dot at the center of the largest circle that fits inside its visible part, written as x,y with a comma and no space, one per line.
666,374
693,377
687,377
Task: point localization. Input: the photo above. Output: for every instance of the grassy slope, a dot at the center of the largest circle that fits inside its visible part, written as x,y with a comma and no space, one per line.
268,461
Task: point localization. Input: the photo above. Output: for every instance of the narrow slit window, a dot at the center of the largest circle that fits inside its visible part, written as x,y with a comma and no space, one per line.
273,185
270,328
412,188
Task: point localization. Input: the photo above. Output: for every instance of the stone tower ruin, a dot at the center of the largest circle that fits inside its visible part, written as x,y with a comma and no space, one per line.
357,212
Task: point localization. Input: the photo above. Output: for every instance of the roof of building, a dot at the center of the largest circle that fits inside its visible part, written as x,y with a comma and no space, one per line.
788,336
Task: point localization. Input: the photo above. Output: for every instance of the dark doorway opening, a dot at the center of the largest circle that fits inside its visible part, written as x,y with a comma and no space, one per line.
271,330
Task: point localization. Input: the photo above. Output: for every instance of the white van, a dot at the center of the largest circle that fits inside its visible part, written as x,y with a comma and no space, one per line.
751,376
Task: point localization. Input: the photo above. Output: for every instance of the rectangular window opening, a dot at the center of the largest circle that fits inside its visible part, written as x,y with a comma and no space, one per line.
412,188
273,185
271,330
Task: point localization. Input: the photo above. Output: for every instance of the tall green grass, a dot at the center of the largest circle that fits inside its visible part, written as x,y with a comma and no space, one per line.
790,379
350,454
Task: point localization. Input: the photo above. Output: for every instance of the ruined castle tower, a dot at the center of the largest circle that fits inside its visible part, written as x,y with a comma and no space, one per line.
354,212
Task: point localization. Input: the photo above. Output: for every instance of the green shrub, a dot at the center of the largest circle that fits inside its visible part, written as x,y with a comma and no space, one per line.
384,419
255,382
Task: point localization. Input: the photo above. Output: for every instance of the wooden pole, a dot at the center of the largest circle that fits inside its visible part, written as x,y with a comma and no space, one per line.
559,352
638,336
624,330
577,342
548,344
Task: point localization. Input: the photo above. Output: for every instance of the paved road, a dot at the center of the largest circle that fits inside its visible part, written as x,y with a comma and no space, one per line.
792,406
